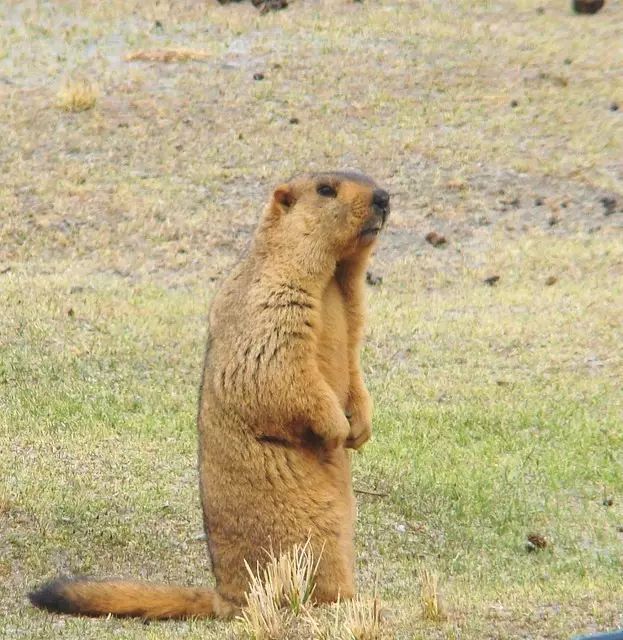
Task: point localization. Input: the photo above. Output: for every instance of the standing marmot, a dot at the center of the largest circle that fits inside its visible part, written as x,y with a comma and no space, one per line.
282,398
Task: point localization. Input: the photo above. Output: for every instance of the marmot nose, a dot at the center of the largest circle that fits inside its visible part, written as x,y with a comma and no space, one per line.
380,197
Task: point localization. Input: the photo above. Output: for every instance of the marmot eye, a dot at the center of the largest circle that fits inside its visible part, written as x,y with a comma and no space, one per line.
326,190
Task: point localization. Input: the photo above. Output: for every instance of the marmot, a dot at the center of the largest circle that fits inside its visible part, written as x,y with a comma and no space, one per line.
282,399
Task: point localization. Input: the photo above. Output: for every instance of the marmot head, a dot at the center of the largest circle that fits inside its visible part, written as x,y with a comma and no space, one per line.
336,213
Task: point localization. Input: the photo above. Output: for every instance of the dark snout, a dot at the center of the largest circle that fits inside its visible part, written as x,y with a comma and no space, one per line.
380,203
378,215
380,197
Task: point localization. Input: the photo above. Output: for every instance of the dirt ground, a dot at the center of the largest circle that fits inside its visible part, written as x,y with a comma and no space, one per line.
478,125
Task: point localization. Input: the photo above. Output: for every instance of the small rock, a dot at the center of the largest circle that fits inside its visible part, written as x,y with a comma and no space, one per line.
373,279
550,280
535,542
514,103
258,76
491,280
457,184
609,205
385,614
436,239
587,6
265,6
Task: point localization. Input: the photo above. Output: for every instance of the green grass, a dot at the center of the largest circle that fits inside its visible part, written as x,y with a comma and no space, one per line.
498,410
498,415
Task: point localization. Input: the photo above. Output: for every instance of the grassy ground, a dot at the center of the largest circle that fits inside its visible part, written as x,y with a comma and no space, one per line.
498,408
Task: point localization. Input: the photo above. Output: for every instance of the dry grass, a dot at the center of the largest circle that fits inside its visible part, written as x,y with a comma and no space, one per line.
263,618
356,619
362,617
77,94
5,503
167,55
287,581
431,602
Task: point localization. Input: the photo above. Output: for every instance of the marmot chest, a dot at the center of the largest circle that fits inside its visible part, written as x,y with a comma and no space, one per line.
333,341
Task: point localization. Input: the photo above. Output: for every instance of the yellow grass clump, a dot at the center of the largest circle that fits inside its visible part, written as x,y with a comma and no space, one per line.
77,95
362,617
430,600
356,619
279,591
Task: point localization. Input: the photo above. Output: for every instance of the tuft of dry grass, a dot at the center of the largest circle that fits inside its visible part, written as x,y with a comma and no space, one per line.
430,599
181,54
77,94
356,619
263,618
362,617
286,582
5,504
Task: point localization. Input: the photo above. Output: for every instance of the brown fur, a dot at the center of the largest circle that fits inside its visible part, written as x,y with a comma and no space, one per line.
282,400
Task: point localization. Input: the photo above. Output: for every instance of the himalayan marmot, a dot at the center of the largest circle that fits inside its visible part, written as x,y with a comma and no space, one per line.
282,401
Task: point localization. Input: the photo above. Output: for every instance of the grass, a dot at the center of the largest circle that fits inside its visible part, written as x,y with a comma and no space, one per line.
77,95
430,599
280,591
498,408
362,618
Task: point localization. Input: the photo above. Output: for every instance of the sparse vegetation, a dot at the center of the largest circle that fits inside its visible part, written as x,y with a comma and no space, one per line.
498,409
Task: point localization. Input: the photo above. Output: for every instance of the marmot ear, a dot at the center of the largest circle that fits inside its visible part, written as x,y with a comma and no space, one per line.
283,198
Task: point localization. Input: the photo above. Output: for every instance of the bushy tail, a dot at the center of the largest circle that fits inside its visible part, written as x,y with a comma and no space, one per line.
127,598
